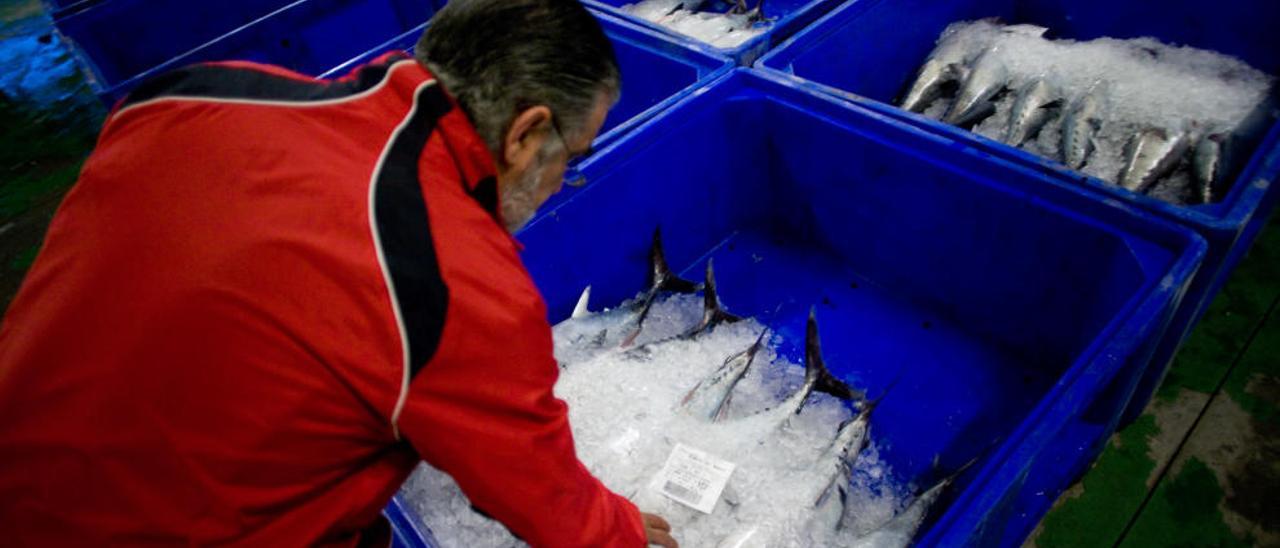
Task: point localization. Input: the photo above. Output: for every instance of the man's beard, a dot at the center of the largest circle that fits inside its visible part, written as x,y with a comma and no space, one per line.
518,201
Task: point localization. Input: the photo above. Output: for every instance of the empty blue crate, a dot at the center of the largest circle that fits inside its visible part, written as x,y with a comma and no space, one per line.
1008,310
309,36
868,51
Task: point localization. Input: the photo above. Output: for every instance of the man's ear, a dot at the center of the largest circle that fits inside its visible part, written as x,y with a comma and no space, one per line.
525,137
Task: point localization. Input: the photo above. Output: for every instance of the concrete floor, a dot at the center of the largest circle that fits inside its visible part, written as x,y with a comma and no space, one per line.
1200,468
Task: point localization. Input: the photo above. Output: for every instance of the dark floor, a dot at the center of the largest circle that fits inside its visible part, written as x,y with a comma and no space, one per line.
1200,468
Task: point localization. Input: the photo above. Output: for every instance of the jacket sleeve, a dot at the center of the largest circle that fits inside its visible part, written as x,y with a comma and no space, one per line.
483,411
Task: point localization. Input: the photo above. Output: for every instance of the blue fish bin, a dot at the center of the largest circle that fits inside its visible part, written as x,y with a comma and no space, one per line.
329,38
1007,310
867,52
308,36
786,17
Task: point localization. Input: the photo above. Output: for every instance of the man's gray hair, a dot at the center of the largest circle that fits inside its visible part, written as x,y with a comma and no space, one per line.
501,57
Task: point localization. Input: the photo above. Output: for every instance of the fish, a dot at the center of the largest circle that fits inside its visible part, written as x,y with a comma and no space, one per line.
975,101
713,313
1037,103
901,529
722,381
661,280
940,75
1151,154
753,15
817,378
1082,123
931,82
839,458
1208,164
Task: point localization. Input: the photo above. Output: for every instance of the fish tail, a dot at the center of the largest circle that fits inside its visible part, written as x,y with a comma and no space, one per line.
661,278
816,373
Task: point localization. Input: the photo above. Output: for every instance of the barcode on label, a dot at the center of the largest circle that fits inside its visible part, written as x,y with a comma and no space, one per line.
681,492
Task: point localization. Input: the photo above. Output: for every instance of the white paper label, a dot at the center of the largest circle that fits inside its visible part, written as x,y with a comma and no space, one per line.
694,478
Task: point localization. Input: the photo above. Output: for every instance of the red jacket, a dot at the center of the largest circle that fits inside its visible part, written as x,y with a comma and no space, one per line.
264,301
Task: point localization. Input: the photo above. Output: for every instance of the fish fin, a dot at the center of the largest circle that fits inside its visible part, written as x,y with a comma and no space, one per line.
816,368
661,278
630,339
581,311
713,313
869,405
722,411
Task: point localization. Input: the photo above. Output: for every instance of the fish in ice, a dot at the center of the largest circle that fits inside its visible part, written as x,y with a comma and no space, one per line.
718,387
1151,154
940,74
753,15
838,460
713,314
757,427
975,101
1037,103
661,280
948,65
1082,123
1208,164
901,529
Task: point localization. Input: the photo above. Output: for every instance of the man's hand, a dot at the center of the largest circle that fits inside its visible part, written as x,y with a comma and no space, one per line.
658,531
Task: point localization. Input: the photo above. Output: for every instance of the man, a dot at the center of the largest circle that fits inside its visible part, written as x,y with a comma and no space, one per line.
268,297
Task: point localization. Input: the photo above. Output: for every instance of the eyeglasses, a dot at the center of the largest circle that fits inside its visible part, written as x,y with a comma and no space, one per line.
572,176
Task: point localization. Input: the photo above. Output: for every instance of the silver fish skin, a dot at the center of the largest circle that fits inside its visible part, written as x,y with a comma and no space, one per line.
719,385
1208,165
1151,154
713,314
839,458
1083,120
901,529
757,427
945,66
988,77
928,86
1037,103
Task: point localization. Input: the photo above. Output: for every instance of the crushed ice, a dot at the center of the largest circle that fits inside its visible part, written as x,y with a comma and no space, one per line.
623,407
1151,84
722,30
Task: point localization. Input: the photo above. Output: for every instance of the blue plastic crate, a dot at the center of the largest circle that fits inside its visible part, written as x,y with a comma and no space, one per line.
1008,306
123,42
789,16
867,52
656,73
316,37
